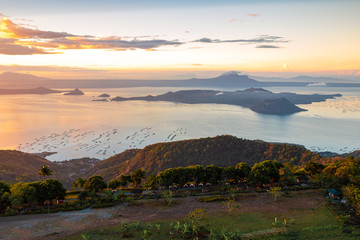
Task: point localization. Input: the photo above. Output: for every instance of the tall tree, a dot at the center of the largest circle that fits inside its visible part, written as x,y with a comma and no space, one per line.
152,182
45,171
23,193
137,177
95,184
265,172
113,184
124,180
243,170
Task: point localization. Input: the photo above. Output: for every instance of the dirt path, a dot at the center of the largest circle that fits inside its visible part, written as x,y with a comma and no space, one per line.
58,225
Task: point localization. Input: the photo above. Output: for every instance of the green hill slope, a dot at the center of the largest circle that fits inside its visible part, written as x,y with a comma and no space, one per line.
16,166
221,151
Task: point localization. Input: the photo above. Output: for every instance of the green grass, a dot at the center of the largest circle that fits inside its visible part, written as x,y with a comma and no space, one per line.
309,224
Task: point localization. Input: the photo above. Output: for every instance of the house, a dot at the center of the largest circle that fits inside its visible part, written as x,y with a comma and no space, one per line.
334,194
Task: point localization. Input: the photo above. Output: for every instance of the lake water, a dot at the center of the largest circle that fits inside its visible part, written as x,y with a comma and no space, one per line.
76,126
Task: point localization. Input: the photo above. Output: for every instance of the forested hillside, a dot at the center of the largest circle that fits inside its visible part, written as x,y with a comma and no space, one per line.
221,151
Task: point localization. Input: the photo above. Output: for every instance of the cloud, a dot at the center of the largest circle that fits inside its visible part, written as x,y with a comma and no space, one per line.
267,46
260,39
17,39
20,39
17,31
233,20
317,84
8,47
253,15
206,40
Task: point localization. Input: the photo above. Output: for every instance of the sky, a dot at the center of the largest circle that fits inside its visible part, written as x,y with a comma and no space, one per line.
168,39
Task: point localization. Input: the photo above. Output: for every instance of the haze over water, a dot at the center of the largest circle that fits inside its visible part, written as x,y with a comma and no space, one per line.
76,126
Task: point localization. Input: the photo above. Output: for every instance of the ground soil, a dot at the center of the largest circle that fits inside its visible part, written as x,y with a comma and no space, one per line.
58,225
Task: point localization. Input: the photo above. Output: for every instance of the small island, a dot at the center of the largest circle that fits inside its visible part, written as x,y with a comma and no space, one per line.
257,99
76,91
104,95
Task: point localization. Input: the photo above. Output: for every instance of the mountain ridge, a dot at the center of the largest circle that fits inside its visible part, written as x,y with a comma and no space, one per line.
232,79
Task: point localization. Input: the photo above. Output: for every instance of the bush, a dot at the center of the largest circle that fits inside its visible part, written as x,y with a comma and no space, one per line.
10,212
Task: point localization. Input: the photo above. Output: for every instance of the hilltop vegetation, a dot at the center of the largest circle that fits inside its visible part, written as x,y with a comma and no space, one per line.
222,151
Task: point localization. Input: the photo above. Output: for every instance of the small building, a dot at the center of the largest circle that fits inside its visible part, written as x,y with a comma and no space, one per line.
334,194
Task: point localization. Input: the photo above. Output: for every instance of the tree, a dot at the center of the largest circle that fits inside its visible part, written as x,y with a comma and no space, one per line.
4,187
342,172
243,170
195,174
5,201
41,192
23,193
78,183
95,184
113,184
313,168
45,171
265,172
152,182
213,174
4,196
137,177
54,189
124,180
229,173
352,193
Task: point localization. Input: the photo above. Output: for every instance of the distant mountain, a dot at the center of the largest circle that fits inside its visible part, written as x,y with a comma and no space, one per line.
278,106
232,79
257,99
355,154
229,79
20,80
39,90
302,78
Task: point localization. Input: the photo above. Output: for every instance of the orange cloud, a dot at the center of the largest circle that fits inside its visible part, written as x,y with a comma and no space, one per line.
17,39
9,47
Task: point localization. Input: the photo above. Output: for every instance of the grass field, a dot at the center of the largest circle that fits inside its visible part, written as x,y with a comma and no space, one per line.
305,212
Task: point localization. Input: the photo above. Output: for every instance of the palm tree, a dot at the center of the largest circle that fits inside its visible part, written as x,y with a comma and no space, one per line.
45,171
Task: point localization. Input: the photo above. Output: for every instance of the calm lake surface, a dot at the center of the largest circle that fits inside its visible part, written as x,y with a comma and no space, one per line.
76,126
